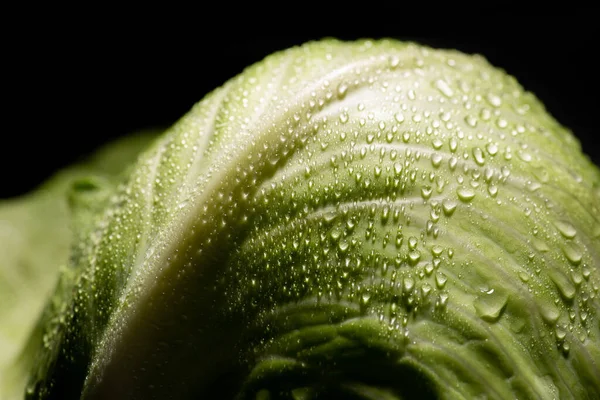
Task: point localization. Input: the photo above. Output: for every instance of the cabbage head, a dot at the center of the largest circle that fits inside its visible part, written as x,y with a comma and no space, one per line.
371,219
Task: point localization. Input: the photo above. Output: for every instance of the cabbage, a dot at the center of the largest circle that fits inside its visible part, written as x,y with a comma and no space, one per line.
362,220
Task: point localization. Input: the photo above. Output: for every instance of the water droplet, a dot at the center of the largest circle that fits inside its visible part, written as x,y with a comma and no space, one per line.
566,348
478,156
409,284
442,300
453,144
428,268
343,245
437,143
394,61
560,333
436,160
412,242
492,149
448,206
550,312
452,163
564,285
501,123
397,168
493,190
344,117
465,194
413,257
485,114
365,298
341,90
573,253
471,121
576,277
494,100
566,229
540,245
524,276
524,155
444,88
489,305
425,289
586,272
335,234
426,192
440,279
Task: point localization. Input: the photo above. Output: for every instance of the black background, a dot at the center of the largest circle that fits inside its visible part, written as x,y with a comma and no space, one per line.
70,89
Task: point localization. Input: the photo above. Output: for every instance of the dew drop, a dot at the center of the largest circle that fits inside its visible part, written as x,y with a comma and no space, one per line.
437,250
442,300
492,149
566,348
409,284
440,279
576,277
343,245
524,276
465,194
412,242
489,305
494,100
394,61
478,156
550,312
573,253
566,229
341,90
425,289
524,156
397,168
428,269
564,285
448,206
501,123
437,143
453,144
452,163
444,88
426,192
560,333
436,160
365,298
471,121
540,245
414,257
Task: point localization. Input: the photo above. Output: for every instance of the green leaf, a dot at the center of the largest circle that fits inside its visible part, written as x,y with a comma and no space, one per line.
35,242
343,219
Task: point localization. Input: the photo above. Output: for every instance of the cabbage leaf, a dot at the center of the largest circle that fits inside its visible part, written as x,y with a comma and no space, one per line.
368,219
